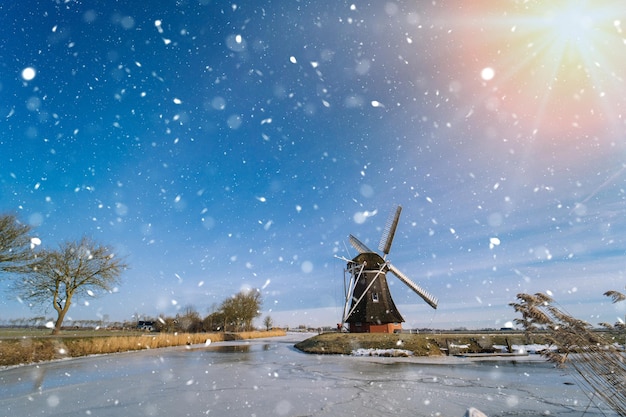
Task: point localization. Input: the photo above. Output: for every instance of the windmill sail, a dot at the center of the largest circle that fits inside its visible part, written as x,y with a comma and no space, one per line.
358,245
426,296
389,231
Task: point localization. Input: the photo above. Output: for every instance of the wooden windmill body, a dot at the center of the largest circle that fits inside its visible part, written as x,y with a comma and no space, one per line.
369,306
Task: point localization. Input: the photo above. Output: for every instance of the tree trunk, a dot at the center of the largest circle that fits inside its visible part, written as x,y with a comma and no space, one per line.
61,312
59,321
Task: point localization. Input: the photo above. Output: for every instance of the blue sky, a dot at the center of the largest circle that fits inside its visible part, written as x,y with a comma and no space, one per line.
221,146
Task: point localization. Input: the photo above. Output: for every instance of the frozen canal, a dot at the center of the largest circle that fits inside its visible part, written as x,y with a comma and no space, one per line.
270,378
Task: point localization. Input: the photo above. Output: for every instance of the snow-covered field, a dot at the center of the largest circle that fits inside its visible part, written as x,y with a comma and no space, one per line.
270,377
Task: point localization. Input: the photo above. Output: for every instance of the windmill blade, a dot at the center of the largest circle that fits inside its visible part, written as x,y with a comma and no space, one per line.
358,245
389,231
426,296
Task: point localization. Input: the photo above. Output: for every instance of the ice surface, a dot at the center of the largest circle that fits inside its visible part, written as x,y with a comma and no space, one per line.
270,377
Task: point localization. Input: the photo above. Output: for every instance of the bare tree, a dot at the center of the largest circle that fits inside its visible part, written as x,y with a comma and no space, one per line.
77,269
214,322
189,320
16,244
268,323
240,309
166,324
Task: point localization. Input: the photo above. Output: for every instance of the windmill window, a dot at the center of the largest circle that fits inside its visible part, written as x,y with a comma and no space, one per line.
375,297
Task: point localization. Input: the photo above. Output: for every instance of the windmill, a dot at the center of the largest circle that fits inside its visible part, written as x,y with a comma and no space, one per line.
369,306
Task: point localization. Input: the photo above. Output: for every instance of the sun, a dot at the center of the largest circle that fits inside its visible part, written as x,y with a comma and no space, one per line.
571,35
570,24
556,64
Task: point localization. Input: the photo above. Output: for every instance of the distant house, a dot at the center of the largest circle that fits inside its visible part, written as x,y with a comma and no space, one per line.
145,325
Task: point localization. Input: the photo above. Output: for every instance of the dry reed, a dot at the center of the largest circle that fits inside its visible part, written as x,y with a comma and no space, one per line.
30,350
598,363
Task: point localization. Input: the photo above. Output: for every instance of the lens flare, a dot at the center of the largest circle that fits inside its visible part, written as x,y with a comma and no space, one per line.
557,66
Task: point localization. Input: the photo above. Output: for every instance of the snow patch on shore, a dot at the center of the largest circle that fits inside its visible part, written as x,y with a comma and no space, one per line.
393,353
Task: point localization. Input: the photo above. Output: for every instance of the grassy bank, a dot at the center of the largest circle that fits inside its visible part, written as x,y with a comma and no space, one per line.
419,344
31,349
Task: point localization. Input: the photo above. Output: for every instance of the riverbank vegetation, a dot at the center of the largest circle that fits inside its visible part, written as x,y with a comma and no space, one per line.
597,359
26,349
418,344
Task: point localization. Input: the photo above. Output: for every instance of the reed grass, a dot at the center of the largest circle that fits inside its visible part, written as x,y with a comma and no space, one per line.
34,349
598,364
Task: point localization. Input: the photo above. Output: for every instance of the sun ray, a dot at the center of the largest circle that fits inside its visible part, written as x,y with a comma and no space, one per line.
556,65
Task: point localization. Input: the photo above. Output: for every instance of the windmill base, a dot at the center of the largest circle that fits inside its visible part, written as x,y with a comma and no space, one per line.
375,328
